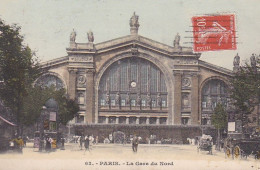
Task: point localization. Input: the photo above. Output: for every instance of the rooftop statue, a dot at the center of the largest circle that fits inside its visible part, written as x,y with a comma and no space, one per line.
176,42
73,36
236,61
253,60
90,37
134,21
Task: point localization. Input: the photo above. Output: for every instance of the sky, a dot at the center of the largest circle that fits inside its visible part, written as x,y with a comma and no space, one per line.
47,24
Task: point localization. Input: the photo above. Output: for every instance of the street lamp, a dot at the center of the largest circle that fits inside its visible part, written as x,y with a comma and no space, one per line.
42,118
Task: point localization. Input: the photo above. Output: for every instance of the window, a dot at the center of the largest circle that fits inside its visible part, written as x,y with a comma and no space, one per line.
143,102
204,105
153,103
123,102
185,121
163,103
102,102
113,102
132,102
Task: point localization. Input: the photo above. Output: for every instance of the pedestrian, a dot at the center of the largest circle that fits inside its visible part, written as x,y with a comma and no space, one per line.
81,140
135,143
62,143
48,144
86,143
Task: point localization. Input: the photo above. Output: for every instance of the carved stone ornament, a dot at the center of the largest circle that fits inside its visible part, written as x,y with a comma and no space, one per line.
81,58
73,36
81,79
186,82
134,21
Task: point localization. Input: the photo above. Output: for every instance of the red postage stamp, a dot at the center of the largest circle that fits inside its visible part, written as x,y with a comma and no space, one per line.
216,32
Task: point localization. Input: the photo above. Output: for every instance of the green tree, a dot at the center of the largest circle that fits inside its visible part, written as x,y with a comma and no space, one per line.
19,68
245,90
219,120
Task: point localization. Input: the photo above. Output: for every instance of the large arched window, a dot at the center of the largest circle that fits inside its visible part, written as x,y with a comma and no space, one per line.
133,82
214,91
49,80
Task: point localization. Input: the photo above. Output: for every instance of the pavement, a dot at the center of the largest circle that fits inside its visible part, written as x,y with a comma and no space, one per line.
117,156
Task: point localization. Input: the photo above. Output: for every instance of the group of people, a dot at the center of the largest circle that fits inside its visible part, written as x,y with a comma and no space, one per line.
88,141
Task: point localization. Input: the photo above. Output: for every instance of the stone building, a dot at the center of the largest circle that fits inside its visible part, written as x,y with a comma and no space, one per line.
133,80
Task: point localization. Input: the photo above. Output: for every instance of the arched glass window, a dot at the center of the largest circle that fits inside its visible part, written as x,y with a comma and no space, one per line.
213,92
49,80
133,82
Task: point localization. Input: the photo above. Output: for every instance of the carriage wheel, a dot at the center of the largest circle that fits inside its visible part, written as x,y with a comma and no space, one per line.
237,152
228,152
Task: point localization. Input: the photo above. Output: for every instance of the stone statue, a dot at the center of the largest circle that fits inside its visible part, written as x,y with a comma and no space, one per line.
138,99
159,100
253,61
107,99
176,42
236,61
90,37
73,36
149,100
127,98
117,98
134,21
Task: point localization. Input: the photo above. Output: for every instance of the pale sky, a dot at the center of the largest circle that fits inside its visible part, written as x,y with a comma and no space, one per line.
47,24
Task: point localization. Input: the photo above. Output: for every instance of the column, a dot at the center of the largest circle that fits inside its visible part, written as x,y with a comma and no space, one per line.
147,120
195,100
107,119
127,120
177,98
90,113
117,120
158,120
72,83
137,121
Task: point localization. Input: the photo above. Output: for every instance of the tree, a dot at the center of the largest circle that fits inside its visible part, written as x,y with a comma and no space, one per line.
33,103
19,68
219,120
245,90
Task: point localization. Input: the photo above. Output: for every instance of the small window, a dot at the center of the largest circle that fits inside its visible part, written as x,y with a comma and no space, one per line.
163,103
204,105
132,102
185,121
102,102
143,102
153,103
123,102
113,102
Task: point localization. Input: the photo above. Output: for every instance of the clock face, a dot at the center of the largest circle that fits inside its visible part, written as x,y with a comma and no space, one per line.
133,84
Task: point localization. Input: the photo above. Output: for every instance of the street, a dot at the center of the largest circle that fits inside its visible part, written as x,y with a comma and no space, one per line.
116,156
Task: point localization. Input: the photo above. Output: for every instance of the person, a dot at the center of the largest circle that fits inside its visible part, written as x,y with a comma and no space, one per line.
135,143
18,144
81,140
62,143
86,143
48,144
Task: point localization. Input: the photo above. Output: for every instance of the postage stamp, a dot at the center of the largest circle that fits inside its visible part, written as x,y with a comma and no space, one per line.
214,32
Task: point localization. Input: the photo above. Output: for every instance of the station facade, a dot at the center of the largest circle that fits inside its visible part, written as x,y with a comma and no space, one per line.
133,80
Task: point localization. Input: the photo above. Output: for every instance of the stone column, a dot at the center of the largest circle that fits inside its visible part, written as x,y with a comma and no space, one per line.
158,120
90,112
137,121
147,120
72,83
195,100
117,120
107,119
127,120
177,98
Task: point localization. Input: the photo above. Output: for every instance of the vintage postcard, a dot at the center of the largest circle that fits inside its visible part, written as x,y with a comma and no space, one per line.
149,84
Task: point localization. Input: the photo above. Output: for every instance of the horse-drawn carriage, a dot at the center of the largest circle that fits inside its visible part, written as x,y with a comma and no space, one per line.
205,144
242,147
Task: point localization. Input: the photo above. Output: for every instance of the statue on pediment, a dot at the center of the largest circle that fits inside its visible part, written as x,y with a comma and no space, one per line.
90,37
253,61
134,21
176,42
73,36
236,63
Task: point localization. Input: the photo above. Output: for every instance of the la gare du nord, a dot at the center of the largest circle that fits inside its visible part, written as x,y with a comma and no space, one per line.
137,163
134,90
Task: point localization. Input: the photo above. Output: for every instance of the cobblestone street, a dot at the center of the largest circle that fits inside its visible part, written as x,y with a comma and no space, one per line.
111,156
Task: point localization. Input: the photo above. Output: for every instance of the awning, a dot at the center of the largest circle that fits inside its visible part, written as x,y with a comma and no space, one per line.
10,123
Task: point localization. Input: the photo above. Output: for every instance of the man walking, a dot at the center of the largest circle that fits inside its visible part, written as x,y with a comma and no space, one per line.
135,143
86,143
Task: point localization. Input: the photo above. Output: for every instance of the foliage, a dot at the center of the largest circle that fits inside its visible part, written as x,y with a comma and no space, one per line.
245,90
38,96
219,117
19,68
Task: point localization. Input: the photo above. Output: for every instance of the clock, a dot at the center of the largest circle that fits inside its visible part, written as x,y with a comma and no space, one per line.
133,84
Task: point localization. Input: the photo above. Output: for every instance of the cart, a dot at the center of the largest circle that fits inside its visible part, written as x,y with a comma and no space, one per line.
205,144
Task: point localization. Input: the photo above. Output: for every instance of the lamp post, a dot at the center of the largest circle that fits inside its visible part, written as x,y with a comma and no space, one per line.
41,123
